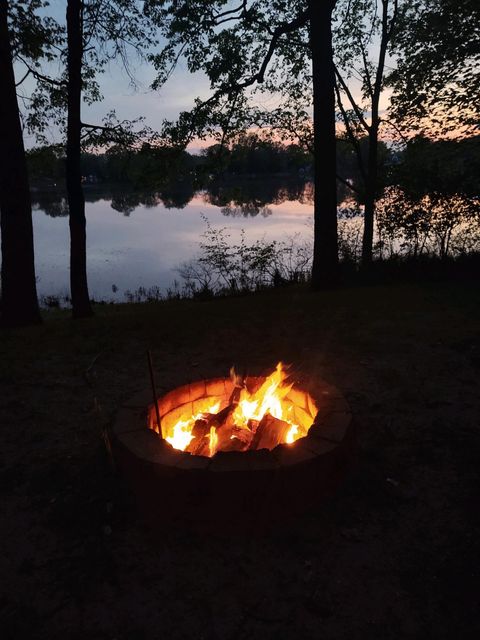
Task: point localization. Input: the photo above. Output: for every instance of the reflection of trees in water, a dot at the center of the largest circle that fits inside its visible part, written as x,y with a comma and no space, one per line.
125,203
177,195
250,198
54,204
247,198
248,210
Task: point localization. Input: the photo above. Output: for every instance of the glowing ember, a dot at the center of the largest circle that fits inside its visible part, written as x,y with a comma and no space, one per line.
275,413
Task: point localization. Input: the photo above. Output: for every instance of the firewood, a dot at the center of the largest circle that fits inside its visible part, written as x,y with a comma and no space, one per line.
245,435
239,384
200,430
234,444
225,432
201,446
223,424
217,419
235,395
270,432
154,392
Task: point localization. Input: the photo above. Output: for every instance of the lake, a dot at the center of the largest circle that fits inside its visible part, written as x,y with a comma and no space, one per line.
139,240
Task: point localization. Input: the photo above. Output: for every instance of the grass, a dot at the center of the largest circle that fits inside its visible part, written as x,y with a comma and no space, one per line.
393,555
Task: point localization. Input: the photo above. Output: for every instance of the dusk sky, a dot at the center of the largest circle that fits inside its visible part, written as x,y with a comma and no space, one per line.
177,95
131,102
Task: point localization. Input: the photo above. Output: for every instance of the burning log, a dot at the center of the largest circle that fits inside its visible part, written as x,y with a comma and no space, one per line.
224,416
245,423
234,444
270,432
199,445
244,435
227,436
238,385
223,426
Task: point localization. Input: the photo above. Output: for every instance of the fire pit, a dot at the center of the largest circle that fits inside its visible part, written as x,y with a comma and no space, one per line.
234,450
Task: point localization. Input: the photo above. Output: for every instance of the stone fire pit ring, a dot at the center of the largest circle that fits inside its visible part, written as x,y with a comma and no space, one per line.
231,488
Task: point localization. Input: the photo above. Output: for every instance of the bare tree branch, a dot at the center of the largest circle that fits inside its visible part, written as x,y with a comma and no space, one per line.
350,97
240,9
17,84
39,76
351,134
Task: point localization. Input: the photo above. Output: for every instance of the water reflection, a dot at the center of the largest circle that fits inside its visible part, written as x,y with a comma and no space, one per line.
245,198
161,230
53,203
157,231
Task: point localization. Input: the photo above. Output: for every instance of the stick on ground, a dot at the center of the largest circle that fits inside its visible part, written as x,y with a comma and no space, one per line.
154,391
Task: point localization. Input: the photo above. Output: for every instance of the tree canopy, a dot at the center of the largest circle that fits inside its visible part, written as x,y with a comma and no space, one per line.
436,82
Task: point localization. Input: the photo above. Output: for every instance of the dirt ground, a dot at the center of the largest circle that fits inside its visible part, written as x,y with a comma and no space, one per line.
394,554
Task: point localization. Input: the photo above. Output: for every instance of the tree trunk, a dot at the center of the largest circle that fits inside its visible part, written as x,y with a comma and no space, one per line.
76,202
371,187
370,191
325,249
19,292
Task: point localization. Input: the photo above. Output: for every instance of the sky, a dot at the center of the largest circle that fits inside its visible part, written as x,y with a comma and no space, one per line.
176,95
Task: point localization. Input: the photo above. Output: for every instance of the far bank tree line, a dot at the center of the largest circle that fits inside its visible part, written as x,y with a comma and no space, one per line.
421,166
156,166
307,54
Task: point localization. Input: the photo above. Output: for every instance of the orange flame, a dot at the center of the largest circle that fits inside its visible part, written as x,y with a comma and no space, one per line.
182,430
213,441
272,397
268,399
182,435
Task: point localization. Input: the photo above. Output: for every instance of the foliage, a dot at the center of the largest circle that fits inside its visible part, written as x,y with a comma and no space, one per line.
112,30
442,166
46,164
253,153
236,268
435,224
350,225
243,49
154,166
34,36
436,83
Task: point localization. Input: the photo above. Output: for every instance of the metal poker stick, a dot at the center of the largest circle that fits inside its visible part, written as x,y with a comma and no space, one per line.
154,391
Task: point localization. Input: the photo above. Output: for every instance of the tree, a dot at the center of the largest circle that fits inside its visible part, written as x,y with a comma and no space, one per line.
243,49
357,29
19,294
436,82
450,167
359,34
76,202
325,255
97,32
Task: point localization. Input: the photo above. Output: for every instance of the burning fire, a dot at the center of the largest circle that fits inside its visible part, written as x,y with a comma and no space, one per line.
268,399
247,420
182,430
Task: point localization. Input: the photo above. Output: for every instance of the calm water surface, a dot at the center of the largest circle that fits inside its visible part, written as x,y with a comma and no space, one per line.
134,244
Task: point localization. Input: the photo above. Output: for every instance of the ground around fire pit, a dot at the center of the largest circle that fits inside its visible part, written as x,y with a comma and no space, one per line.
394,554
